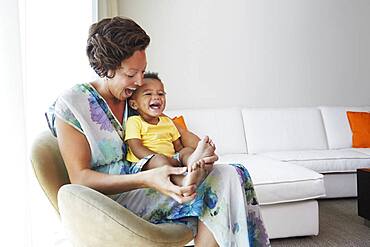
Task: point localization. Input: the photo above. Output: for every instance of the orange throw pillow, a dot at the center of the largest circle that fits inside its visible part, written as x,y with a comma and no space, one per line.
360,125
180,121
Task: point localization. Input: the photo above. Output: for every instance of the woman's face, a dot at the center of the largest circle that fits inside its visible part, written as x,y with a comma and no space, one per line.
129,76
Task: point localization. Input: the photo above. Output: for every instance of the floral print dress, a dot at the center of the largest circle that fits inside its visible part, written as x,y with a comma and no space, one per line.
226,202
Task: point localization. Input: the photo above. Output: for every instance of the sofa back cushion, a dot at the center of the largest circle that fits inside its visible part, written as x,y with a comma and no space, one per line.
338,130
279,129
223,125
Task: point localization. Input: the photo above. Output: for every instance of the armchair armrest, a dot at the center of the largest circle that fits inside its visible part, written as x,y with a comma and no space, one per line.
93,219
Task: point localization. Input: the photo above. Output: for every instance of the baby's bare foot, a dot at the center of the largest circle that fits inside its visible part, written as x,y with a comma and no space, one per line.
205,152
196,175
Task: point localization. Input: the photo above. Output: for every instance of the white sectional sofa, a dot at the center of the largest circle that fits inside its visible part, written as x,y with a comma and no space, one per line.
294,156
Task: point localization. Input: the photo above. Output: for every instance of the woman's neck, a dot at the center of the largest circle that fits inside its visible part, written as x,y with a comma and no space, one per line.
102,87
116,106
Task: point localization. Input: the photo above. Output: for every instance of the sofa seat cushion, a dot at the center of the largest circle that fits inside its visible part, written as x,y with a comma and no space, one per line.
362,150
324,161
279,182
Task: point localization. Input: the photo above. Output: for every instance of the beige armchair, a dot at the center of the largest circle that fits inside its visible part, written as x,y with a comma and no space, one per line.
89,217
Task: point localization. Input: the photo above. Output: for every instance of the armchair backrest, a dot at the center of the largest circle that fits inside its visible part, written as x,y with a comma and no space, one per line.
48,166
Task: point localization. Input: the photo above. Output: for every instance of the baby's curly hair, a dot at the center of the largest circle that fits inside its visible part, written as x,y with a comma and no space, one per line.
152,75
111,41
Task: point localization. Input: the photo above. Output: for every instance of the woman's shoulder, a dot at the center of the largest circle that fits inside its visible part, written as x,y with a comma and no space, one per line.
64,106
78,90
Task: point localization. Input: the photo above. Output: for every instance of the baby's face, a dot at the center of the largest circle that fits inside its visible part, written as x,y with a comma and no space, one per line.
149,99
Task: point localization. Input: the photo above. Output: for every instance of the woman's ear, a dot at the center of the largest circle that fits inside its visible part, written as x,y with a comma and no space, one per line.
132,104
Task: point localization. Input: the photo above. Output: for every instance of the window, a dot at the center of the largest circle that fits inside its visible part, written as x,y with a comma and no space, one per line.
53,35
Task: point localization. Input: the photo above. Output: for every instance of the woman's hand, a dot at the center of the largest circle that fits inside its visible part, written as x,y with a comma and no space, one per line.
159,179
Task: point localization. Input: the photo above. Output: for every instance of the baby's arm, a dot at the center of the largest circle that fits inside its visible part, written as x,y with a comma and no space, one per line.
138,149
177,145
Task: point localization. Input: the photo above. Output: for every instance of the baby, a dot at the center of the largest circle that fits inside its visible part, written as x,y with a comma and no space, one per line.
154,133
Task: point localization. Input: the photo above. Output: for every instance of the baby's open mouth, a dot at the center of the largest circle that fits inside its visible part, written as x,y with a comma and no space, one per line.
155,106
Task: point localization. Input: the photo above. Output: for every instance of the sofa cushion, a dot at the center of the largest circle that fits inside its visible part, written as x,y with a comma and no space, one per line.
279,182
337,127
280,129
360,126
362,150
179,120
223,125
324,161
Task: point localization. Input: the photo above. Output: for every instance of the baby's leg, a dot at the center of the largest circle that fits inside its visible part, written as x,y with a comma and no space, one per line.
184,155
159,160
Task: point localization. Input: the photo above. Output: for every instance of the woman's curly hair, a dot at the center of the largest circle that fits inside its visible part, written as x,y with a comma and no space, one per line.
111,41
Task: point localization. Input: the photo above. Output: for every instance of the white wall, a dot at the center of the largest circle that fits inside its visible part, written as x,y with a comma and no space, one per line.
258,53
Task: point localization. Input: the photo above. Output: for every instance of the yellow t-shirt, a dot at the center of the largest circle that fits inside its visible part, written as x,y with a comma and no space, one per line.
157,138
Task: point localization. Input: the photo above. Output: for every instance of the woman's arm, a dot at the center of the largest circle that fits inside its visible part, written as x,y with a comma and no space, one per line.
76,154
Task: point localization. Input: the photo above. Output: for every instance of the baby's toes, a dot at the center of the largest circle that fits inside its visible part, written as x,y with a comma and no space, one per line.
194,166
210,147
200,163
206,139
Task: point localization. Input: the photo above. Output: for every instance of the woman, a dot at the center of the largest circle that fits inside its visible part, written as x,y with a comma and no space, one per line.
90,121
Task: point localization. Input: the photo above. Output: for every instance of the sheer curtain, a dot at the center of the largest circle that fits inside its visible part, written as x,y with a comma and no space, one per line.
42,52
13,214
55,34
107,8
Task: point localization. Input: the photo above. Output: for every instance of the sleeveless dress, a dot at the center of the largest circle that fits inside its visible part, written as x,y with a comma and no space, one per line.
226,201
